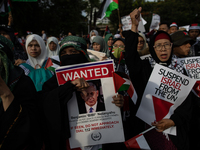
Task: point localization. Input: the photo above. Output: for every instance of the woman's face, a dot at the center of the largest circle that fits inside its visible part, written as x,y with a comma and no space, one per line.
96,46
93,34
119,44
140,43
163,49
69,51
110,41
5,34
34,49
52,46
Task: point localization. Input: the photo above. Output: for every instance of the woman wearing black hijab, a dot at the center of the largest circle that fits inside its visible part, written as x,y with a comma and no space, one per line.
8,32
73,51
140,70
19,127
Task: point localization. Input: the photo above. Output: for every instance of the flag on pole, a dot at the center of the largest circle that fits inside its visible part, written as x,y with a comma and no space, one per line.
107,31
52,64
106,8
139,141
123,83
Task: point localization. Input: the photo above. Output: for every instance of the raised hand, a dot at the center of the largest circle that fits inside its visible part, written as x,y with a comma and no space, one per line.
81,85
135,18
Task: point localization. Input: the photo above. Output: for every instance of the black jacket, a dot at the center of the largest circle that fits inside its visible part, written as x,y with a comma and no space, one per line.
55,114
140,71
25,132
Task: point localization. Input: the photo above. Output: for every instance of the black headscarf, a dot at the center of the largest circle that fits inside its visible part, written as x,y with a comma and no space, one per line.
19,52
152,50
9,73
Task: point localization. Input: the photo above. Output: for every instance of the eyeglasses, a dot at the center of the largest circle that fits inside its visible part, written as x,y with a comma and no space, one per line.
118,46
159,47
141,42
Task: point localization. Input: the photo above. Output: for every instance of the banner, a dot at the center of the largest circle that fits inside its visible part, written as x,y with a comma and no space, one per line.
127,23
165,91
155,22
93,118
192,67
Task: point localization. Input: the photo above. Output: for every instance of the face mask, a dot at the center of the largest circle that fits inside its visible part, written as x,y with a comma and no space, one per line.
117,52
72,59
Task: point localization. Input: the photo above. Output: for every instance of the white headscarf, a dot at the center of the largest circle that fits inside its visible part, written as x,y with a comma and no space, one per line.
42,57
52,53
96,32
145,41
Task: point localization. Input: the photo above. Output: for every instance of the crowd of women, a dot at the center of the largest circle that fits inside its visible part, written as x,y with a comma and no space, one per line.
33,108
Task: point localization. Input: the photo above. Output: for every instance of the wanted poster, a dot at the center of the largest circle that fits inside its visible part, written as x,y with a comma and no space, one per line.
93,118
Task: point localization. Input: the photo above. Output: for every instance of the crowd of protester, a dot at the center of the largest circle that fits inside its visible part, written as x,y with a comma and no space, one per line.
33,112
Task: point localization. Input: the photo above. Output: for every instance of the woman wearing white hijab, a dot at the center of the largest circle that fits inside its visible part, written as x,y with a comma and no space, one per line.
52,47
37,58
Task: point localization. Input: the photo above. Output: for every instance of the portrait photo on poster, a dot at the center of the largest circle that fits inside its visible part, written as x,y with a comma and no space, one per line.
92,100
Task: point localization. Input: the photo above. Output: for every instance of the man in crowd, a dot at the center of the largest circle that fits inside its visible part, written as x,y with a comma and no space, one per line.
194,33
173,28
91,100
182,43
44,36
164,26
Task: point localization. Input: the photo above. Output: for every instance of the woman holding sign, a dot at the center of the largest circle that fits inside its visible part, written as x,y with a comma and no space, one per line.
73,51
140,70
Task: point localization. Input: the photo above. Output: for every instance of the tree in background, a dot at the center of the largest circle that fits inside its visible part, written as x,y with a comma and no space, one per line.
183,12
60,16
53,16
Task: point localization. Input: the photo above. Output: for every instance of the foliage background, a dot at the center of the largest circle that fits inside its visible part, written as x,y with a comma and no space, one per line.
61,16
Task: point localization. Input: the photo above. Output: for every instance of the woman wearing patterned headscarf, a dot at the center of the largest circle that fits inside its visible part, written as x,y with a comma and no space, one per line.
18,124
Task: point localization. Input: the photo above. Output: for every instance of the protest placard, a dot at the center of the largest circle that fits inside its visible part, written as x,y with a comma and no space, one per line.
165,91
155,22
127,24
104,124
148,56
192,67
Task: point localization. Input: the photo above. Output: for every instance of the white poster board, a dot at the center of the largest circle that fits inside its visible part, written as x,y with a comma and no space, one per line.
192,67
155,22
102,126
127,23
165,91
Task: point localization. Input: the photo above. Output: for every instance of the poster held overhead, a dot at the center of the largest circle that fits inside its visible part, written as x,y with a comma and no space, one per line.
155,22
